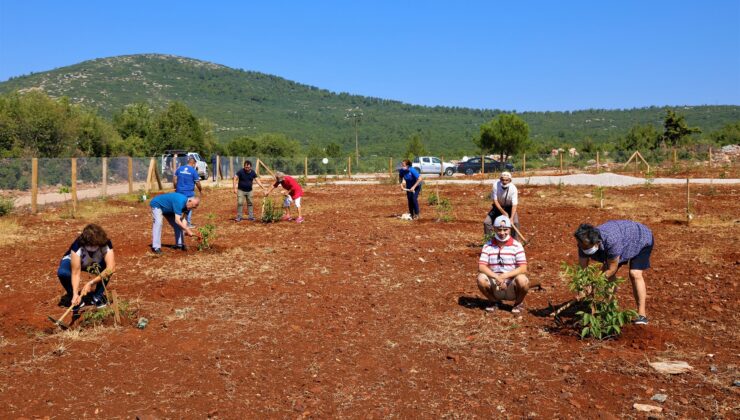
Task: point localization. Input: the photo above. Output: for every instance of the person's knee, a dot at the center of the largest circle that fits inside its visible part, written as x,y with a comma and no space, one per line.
483,282
522,282
636,275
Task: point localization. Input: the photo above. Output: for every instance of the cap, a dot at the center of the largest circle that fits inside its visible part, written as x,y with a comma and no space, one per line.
505,175
502,221
279,175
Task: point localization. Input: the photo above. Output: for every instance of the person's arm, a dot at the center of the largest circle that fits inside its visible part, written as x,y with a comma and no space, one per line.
418,180
174,180
182,222
257,180
495,201
610,267
273,187
513,212
110,268
233,183
522,269
76,265
583,261
483,268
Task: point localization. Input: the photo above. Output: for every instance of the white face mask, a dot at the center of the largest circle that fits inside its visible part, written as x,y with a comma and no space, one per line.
592,250
503,238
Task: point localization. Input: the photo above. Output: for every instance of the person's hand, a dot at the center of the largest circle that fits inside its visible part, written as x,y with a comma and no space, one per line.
234,191
76,300
188,232
86,289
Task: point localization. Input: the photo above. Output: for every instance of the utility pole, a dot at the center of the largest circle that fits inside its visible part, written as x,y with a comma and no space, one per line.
355,114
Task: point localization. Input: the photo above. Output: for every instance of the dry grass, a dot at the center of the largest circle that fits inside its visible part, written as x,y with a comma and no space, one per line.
11,232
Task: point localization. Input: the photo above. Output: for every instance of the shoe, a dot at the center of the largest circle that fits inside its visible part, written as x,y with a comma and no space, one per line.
76,309
518,309
65,301
237,219
191,226
181,247
157,251
251,219
640,320
299,220
100,302
492,308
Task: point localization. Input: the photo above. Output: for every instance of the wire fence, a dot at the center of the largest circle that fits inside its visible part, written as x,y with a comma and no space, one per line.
56,175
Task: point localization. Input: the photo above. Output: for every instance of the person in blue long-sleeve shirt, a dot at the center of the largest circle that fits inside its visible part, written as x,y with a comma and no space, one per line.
411,183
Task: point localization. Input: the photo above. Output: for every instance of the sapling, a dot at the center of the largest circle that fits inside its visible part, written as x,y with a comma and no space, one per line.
603,319
433,199
270,212
444,209
207,233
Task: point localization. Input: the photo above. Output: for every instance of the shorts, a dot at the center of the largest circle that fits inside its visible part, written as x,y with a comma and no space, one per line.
640,261
509,293
289,199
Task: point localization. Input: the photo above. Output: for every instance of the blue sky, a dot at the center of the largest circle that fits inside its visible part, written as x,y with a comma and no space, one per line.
523,55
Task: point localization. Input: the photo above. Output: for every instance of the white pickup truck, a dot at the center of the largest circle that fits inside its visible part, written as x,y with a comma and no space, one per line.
432,165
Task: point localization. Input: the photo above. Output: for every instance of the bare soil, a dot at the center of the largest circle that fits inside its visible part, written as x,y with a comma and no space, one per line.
356,313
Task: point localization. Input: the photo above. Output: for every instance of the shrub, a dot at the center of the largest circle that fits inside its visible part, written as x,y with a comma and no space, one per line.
270,212
604,318
444,210
6,206
207,233
433,199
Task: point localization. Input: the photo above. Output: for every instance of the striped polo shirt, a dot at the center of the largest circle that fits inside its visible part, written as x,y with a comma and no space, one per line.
503,257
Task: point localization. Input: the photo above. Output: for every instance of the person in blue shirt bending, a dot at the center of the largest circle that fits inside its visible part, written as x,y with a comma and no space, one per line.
171,206
411,183
186,178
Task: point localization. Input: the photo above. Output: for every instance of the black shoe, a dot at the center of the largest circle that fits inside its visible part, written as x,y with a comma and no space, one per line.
65,301
157,251
181,247
100,302
640,320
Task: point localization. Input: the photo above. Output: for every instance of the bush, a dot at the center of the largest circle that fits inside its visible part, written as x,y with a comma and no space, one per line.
6,206
207,233
270,213
444,209
432,199
604,319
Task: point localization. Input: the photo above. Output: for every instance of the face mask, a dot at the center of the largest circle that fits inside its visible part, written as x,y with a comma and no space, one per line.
504,186
592,250
503,238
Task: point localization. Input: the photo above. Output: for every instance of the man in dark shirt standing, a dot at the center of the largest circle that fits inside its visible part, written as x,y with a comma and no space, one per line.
245,177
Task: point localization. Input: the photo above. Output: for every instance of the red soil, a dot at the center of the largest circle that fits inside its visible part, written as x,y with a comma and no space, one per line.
356,313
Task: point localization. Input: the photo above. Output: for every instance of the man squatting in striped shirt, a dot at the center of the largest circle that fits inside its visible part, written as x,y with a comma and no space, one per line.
502,267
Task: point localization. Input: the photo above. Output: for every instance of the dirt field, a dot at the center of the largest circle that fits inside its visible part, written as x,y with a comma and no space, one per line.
358,314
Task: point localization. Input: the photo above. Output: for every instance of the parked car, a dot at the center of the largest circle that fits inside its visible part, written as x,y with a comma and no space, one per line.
432,165
473,166
173,159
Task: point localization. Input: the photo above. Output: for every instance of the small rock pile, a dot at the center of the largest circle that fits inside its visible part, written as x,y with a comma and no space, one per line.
727,154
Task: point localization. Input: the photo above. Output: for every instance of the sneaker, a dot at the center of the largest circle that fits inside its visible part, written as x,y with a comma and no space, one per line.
237,219
491,308
181,247
157,251
640,320
299,220
191,226
76,309
100,302
518,308
251,219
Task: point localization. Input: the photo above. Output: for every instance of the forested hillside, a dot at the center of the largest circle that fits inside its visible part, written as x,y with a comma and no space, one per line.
239,102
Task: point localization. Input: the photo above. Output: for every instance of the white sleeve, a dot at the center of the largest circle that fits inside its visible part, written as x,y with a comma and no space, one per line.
514,194
494,191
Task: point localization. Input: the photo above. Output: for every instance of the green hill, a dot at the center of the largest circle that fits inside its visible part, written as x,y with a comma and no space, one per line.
242,102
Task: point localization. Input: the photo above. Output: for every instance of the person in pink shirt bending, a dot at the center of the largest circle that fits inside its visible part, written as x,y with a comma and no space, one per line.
293,193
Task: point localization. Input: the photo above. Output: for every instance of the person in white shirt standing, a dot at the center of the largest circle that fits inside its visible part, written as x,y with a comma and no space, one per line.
505,200
502,268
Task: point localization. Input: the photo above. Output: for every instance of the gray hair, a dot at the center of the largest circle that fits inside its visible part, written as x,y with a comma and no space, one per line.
279,175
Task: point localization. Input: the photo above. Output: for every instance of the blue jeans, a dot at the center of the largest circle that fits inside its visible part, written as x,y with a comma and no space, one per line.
413,199
65,278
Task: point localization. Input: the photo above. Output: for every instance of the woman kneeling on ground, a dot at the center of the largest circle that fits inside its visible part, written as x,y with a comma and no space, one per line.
92,251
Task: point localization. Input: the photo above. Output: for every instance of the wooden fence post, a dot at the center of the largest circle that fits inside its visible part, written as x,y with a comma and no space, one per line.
598,163
257,167
482,164
349,166
675,157
441,166
73,190
231,166
219,175
130,176
688,204
149,176
104,187
524,162
561,162
34,184
390,166
305,168
710,156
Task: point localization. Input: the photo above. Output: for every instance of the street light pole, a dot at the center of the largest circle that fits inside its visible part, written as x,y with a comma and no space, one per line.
355,114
